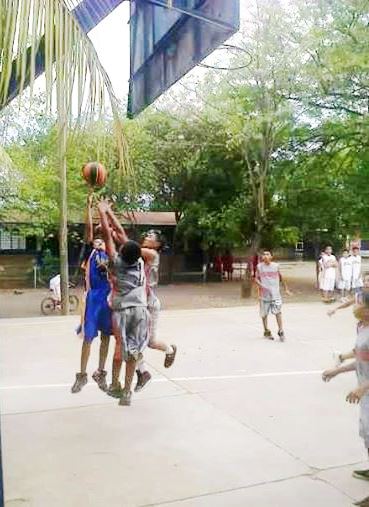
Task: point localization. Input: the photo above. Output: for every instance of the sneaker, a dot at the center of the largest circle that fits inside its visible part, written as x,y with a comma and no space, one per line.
268,335
169,358
282,336
99,377
361,474
363,503
142,380
125,399
115,391
81,381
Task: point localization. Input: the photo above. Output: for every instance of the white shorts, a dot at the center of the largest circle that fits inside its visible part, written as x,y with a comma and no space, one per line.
154,310
328,284
357,284
344,284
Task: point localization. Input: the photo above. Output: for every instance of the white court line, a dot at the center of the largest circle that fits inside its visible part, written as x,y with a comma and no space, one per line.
182,379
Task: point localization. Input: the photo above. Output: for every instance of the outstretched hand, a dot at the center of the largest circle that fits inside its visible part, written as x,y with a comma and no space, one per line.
104,205
327,375
355,395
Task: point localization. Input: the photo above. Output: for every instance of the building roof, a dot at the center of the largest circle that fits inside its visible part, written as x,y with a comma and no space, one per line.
149,218
152,218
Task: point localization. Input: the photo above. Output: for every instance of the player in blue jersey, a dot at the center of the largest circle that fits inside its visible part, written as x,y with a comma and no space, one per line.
97,314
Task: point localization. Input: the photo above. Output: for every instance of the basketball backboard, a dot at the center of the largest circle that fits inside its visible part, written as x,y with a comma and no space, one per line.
167,42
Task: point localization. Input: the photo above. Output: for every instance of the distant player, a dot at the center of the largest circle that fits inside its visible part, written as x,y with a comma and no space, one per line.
330,264
345,273
268,278
357,279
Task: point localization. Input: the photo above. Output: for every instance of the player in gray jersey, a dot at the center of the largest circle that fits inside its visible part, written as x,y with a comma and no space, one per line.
150,247
359,395
268,278
128,300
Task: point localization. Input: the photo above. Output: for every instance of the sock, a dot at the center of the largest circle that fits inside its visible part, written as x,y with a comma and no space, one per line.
142,367
169,349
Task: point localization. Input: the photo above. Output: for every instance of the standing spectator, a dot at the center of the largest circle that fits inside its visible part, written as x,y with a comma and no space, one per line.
227,262
345,273
329,262
320,272
357,278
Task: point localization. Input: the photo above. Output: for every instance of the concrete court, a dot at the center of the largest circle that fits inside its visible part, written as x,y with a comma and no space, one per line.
237,421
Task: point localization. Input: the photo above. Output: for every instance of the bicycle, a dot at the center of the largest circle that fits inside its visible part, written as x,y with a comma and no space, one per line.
50,305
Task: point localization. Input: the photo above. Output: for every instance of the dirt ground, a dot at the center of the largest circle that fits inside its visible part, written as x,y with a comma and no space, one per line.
299,275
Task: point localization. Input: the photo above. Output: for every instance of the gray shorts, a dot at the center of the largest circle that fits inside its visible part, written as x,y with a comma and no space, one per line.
364,420
273,307
131,327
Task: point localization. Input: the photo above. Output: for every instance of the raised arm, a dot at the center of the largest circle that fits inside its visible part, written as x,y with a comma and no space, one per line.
89,230
344,305
109,242
120,232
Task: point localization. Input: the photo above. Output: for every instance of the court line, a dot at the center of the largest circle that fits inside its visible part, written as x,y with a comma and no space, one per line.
180,379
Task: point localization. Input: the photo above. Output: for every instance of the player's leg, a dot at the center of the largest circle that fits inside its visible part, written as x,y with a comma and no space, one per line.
364,433
104,323
264,311
169,350
115,388
81,377
135,338
279,319
90,331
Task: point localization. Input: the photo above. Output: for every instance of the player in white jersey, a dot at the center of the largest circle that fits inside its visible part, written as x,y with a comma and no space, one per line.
329,274
357,279
153,241
345,273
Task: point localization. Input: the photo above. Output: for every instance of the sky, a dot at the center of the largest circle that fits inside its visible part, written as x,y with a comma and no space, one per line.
111,40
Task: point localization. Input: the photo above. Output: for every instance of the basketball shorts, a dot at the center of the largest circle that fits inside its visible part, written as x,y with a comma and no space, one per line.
98,315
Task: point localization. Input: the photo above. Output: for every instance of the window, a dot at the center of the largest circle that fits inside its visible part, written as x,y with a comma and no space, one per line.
12,240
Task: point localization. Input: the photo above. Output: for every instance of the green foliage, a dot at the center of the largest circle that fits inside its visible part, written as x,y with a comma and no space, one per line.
275,152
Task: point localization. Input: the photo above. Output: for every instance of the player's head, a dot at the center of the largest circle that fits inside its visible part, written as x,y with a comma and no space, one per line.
328,250
130,252
356,250
361,311
267,256
99,244
345,253
153,239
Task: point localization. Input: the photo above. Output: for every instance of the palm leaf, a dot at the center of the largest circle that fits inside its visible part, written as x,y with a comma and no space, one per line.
74,77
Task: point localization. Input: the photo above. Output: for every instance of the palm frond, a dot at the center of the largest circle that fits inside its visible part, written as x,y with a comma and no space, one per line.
74,77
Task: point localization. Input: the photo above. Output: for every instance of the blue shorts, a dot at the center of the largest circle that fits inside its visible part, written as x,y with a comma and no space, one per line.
98,315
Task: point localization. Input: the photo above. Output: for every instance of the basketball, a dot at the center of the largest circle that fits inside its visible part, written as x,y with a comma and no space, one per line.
95,174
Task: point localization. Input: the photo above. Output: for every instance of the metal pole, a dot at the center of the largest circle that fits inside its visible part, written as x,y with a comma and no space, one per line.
1,475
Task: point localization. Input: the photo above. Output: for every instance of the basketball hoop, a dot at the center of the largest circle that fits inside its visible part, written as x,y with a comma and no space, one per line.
229,47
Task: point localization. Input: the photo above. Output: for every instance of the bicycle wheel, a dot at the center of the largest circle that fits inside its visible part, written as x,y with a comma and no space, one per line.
47,306
73,303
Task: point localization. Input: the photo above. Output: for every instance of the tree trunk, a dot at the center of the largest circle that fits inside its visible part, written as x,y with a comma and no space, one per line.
63,220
